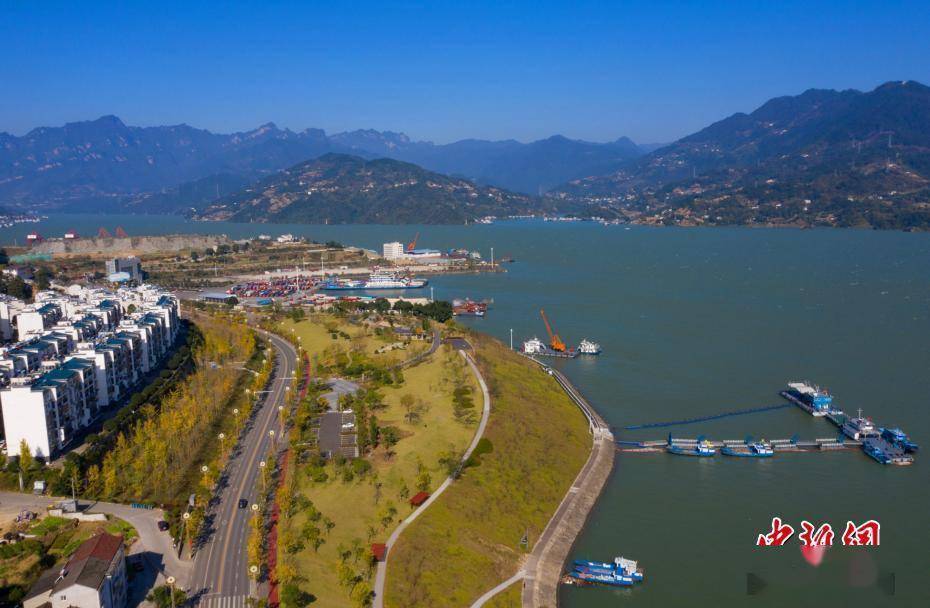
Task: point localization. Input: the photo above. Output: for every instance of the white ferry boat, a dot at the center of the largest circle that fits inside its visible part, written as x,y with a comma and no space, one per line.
859,428
587,347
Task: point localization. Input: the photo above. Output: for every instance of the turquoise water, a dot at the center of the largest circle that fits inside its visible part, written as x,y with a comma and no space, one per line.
695,322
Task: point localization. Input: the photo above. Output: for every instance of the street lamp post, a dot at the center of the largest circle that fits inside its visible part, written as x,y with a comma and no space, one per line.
184,518
236,414
261,465
222,437
170,581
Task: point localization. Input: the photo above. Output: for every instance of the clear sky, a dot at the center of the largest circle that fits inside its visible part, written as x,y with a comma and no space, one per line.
653,71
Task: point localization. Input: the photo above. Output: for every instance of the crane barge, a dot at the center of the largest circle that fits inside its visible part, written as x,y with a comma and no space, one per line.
555,348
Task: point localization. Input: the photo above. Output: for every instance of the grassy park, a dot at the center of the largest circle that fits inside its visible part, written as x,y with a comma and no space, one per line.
342,507
537,441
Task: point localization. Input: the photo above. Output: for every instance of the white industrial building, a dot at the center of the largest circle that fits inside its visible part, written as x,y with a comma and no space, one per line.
393,251
82,352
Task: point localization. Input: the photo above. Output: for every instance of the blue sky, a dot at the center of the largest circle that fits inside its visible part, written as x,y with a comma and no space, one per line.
653,71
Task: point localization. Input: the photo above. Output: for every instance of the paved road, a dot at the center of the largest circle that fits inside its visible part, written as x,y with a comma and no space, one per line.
381,572
220,576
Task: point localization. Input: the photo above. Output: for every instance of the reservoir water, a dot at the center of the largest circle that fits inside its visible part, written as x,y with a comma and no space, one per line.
695,322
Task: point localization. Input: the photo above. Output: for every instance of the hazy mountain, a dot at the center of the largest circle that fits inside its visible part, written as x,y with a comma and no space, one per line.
823,157
532,168
340,188
102,162
106,165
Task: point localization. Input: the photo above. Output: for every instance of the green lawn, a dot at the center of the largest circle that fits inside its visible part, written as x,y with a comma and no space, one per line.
509,598
469,539
357,507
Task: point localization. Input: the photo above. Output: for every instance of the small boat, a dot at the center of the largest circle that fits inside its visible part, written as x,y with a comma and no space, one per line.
758,449
583,574
587,347
701,448
897,437
620,565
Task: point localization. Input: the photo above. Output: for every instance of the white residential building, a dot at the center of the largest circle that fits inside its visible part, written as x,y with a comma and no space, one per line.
58,382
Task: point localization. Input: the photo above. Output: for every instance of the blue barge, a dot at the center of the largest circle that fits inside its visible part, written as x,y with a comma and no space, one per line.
898,438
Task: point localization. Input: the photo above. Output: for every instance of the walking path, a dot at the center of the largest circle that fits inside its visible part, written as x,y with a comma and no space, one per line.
381,573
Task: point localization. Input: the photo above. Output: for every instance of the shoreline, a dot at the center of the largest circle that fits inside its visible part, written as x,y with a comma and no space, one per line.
543,568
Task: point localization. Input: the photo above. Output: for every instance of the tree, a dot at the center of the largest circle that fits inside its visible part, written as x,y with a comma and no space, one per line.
42,278
25,457
161,596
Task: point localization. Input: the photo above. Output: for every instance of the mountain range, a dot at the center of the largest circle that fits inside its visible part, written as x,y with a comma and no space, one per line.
824,157
837,158
106,165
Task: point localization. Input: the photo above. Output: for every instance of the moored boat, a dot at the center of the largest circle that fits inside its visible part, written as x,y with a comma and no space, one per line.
702,448
758,449
897,437
587,347
859,428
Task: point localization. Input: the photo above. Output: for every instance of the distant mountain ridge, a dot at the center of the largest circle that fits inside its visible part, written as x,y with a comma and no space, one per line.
837,158
106,165
342,189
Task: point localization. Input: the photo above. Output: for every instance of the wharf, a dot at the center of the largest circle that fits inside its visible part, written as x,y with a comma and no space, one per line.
824,444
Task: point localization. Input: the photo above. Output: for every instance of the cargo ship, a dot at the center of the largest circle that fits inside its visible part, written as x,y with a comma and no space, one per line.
758,449
859,428
535,346
810,398
586,347
885,452
898,438
377,280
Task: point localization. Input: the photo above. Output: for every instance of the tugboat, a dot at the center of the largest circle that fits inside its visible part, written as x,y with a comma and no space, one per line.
859,428
585,575
758,449
586,347
703,448
897,437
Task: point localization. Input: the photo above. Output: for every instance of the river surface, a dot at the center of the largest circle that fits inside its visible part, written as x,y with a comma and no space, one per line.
695,322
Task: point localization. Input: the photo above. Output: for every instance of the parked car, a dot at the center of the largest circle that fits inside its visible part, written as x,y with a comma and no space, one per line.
243,503
163,525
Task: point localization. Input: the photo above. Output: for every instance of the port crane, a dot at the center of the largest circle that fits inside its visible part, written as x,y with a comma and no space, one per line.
555,342
413,244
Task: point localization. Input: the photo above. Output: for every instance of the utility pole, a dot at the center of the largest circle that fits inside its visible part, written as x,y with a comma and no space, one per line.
492,257
511,338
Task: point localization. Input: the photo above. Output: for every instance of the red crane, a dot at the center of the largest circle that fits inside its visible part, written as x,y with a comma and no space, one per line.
555,342
103,233
413,244
120,233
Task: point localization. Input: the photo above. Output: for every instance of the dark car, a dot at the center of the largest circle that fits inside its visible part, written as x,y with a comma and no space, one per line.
243,503
163,525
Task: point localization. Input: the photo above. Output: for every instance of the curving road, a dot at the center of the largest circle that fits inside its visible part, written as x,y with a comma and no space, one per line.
220,577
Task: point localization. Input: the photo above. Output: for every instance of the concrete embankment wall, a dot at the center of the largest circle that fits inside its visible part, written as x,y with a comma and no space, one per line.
132,244
544,567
